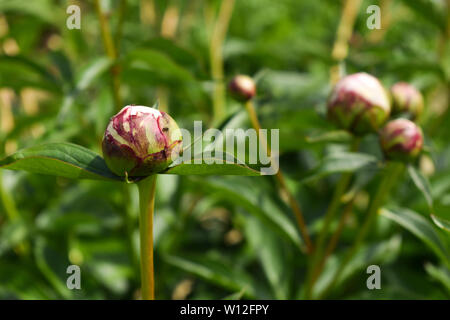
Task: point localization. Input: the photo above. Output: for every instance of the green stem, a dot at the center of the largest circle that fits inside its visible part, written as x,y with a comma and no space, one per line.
111,52
147,189
392,171
119,31
216,57
341,187
281,181
344,32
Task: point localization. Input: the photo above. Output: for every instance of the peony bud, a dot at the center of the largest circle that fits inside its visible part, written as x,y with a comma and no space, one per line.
406,100
401,139
359,104
242,88
140,141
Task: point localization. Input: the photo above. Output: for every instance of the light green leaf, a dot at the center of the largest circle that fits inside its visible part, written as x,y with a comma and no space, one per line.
330,136
226,168
422,184
269,249
216,272
341,162
421,228
255,201
441,274
60,159
157,65
442,220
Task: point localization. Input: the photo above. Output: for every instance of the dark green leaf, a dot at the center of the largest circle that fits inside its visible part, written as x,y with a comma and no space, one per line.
60,159
420,227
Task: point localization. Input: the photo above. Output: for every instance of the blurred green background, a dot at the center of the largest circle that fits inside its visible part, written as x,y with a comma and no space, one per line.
216,237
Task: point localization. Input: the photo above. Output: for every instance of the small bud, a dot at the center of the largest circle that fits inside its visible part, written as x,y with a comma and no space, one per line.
242,88
140,141
406,100
359,104
401,139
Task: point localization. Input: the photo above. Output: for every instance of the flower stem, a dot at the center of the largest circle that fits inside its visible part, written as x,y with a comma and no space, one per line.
216,57
111,51
344,32
390,176
342,185
281,181
147,189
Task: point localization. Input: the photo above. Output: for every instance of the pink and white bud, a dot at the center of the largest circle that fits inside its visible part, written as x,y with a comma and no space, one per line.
140,141
242,88
401,139
359,103
406,100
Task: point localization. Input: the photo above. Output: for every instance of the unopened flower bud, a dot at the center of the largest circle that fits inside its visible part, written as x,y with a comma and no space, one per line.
242,88
406,100
359,104
401,139
140,141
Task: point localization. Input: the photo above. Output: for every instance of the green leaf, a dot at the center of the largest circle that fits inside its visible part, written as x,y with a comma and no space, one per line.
341,162
442,220
441,274
380,253
422,184
217,272
20,72
42,9
83,81
269,249
256,201
156,66
175,52
337,136
92,72
421,228
429,11
60,159
226,168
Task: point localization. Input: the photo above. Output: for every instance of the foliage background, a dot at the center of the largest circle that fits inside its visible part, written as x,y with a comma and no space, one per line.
215,237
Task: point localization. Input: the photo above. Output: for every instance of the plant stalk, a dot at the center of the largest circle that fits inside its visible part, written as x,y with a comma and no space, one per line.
344,32
392,171
216,57
339,191
111,51
147,188
281,180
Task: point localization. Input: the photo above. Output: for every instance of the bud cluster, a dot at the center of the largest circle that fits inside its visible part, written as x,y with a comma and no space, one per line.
406,100
359,104
401,139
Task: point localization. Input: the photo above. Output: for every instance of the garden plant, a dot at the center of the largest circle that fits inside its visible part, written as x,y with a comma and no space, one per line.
114,149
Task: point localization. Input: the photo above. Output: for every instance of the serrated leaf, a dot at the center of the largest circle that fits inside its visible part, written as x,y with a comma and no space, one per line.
60,159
